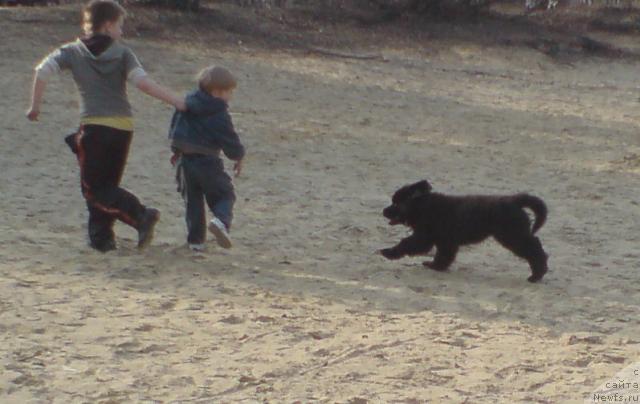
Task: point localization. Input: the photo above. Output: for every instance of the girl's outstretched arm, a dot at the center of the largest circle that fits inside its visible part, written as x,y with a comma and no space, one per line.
49,66
150,87
37,93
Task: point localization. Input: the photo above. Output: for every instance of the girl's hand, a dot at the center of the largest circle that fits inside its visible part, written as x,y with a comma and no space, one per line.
37,92
181,105
33,113
237,168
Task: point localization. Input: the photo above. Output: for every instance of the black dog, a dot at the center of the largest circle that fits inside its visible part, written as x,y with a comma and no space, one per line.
447,222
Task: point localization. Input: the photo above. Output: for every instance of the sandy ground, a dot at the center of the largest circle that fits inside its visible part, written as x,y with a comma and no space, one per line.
302,310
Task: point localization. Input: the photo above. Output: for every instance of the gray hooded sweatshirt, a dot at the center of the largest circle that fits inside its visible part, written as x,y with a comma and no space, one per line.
101,79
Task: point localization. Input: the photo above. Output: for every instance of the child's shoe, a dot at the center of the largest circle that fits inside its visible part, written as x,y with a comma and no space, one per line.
219,230
197,247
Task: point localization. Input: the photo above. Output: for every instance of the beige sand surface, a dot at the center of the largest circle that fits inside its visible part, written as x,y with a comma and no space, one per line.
302,310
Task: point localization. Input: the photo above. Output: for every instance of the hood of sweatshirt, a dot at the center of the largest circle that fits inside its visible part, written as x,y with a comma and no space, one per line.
103,54
97,44
201,103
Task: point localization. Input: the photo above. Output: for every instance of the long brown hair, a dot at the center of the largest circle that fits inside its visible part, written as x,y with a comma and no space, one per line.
98,12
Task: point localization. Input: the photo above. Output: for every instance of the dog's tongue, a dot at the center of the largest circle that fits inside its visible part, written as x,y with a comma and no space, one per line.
393,222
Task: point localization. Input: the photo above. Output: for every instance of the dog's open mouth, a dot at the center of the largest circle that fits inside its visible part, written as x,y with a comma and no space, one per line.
393,222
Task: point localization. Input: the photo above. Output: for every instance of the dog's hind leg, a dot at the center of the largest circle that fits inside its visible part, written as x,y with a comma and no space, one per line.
538,260
530,248
445,255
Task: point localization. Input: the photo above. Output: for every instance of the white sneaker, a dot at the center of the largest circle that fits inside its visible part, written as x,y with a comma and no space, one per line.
219,230
197,247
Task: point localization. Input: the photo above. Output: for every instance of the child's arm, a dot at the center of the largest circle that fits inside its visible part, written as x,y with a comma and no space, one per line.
138,77
37,93
230,143
150,87
50,65
222,126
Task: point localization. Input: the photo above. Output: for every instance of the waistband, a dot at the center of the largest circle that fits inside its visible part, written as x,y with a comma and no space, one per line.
116,122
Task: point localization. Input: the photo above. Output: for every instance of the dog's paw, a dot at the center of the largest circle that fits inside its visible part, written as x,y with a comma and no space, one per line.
431,265
390,254
538,274
535,278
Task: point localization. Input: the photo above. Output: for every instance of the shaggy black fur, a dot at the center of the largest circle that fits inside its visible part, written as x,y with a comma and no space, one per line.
447,222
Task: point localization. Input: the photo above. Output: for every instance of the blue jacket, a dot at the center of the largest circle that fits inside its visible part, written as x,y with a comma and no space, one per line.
205,128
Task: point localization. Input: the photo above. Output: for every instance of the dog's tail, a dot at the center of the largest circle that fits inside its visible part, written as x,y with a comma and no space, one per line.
537,206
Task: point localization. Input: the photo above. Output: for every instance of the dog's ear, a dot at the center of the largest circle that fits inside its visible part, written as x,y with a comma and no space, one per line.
424,185
411,191
420,188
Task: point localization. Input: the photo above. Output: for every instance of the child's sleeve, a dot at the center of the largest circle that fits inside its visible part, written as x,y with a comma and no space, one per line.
173,124
53,63
133,67
230,141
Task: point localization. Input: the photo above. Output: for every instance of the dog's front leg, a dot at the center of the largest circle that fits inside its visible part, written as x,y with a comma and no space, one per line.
445,255
415,244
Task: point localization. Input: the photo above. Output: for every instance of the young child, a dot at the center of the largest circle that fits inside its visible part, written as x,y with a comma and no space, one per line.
101,66
197,137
